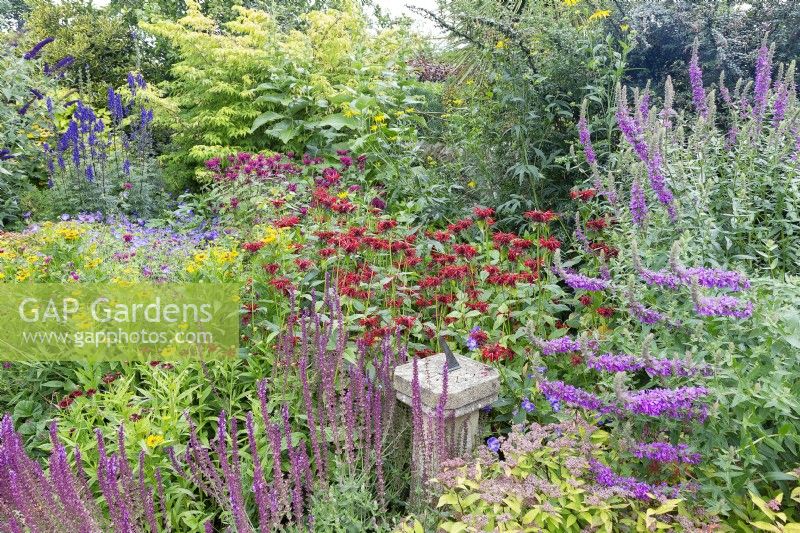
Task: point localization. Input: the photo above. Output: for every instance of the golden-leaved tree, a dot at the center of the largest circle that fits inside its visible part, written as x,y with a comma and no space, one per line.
249,86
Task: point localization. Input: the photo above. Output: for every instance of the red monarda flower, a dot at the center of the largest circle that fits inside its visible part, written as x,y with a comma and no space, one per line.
542,217
483,212
479,336
442,235
583,194
585,300
253,246
551,243
287,222
303,263
127,237
575,359
270,268
606,312
521,244
597,224
425,352
465,250
500,238
608,251
478,306
460,225
327,252
278,202
283,284
495,352
386,225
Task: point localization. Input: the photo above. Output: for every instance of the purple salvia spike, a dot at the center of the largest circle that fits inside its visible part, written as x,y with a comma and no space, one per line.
162,500
259,484
146,497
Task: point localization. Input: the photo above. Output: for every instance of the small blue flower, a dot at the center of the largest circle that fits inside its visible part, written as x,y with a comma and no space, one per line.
493,444
528,405
554,404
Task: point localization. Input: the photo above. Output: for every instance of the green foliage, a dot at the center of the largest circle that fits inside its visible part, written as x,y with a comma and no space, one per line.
510,111
543,482
98,39
253,87
21,168
347,505
729,33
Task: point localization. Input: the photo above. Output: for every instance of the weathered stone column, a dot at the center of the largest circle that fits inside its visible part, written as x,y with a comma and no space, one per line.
470,388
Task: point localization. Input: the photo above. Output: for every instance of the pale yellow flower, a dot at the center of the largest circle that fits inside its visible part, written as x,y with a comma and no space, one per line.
380,118
471,184
571,3
501,44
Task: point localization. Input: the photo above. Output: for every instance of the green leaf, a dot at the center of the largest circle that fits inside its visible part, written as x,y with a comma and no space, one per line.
264,118
336,121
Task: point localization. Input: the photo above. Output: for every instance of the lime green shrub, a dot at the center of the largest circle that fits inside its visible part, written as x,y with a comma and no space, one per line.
250,86
555,477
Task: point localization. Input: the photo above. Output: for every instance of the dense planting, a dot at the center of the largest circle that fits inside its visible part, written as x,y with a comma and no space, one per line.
626,261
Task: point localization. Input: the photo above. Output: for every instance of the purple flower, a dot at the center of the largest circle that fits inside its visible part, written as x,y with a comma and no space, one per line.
644,314
638,203
657,182
639,489
493,443
664,452
781,102
586,140
34,52
696,79
574,396
714,279
723,306
677,403
378,203
472,341
560,345
763,82
527,405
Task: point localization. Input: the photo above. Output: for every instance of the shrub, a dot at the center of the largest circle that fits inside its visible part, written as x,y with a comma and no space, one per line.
555,477
268,89
508,113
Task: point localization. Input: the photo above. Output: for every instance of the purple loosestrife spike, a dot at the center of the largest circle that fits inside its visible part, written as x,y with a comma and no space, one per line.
638,204
696,80
34,52
440,451
586,138
781,103
657,182
146,497
417,428
314,430
763,82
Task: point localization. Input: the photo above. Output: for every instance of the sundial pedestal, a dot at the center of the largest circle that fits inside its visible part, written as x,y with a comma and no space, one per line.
470,388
